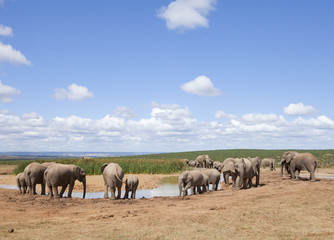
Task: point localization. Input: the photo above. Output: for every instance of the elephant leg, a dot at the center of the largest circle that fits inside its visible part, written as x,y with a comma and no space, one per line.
118,192
126,194
105,191
250,183
63,188
312,176
43,188
50,191
55,191
34,189
133,194
112,192
297,175
70,189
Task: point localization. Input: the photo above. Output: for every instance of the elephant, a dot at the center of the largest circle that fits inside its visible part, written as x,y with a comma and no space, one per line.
256,165
192,163
296,162
131,184
63,175
227,169
21,183
268,162
113,178
202,161
205,183
214,177
244,171
190,179
209,163
34,174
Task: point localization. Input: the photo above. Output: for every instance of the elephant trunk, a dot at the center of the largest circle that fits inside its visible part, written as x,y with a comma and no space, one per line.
282,164
84,187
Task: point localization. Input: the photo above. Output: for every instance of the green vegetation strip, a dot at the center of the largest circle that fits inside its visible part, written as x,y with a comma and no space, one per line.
168,163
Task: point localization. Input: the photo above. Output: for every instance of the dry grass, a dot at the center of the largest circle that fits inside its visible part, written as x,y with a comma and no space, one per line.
279,209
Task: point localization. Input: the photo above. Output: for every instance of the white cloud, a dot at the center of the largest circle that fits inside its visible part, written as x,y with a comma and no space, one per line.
186,14
221,114
74,92
168,128
124,112
5,31
299,109
201,86
9,54
7,93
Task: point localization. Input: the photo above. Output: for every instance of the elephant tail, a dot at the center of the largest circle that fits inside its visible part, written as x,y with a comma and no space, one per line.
118,178
315,165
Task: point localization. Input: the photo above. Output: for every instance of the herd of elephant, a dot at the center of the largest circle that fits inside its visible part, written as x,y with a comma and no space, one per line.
241,170
54,175
205,172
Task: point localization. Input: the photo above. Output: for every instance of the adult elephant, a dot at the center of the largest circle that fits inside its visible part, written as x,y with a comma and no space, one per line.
190,179
113,179
227,168
63,175
268,162
242,172
213,175
34,174
256,165
202,161
296,162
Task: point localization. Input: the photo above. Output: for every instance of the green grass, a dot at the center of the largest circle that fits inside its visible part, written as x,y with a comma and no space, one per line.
167,163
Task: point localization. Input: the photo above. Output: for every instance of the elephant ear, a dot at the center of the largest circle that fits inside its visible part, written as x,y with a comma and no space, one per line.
78,172
228,167
189,177
103,167
290,156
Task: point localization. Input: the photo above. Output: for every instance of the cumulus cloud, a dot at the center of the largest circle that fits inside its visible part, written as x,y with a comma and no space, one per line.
9,54
7,93
186,14
169,127
299,109
201,86
5,30
74,92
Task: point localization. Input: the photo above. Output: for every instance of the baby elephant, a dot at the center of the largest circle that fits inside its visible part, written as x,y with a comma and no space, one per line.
21,183
131,184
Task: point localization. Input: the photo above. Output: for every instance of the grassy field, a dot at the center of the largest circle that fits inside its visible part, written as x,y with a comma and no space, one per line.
167,163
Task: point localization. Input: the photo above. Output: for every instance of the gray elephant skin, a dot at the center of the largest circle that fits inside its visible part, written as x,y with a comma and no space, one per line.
63,175
256,166
131,184
213,175
203,161
113,179
34,174
21,183
295,162
268,162
227,169
190,179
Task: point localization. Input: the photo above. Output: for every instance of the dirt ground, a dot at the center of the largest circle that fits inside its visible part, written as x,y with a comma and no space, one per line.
278,209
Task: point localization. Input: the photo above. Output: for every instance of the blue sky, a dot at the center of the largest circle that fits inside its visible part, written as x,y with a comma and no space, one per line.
166,75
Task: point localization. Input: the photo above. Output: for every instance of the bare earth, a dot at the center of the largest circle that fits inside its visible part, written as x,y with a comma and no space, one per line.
279,209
